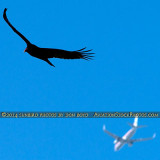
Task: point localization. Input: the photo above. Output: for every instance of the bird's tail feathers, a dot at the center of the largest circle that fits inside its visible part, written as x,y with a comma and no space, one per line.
49,62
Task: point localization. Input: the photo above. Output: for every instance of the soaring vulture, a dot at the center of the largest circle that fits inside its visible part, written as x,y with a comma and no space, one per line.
46,53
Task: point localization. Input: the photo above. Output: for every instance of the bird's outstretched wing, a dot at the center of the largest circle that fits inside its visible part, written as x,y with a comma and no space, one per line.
85,53
6,19
64,54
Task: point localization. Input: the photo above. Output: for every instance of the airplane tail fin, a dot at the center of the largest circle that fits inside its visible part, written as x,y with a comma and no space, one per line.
135,124
154,135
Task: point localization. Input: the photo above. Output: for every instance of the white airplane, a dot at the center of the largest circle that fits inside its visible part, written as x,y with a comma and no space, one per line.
121,141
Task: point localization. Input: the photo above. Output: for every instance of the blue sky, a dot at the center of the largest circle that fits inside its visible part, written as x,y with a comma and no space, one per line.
124,76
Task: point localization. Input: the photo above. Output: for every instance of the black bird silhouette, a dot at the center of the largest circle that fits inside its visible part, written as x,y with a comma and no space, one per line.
46,53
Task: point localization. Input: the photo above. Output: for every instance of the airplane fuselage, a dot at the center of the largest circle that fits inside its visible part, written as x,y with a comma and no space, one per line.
126,139
120,143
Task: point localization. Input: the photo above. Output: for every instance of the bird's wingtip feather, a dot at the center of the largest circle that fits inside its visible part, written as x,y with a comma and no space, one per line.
4,13
5,10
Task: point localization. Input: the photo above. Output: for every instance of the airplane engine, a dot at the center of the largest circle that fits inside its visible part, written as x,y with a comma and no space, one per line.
115,141
130,144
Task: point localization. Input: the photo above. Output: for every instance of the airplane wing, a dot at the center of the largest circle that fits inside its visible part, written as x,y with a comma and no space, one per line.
109,133
142,139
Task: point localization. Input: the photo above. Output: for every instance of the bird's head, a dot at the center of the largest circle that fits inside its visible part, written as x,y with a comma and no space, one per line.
26,50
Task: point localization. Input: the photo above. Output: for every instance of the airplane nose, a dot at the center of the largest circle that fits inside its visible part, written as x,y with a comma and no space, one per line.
115,149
